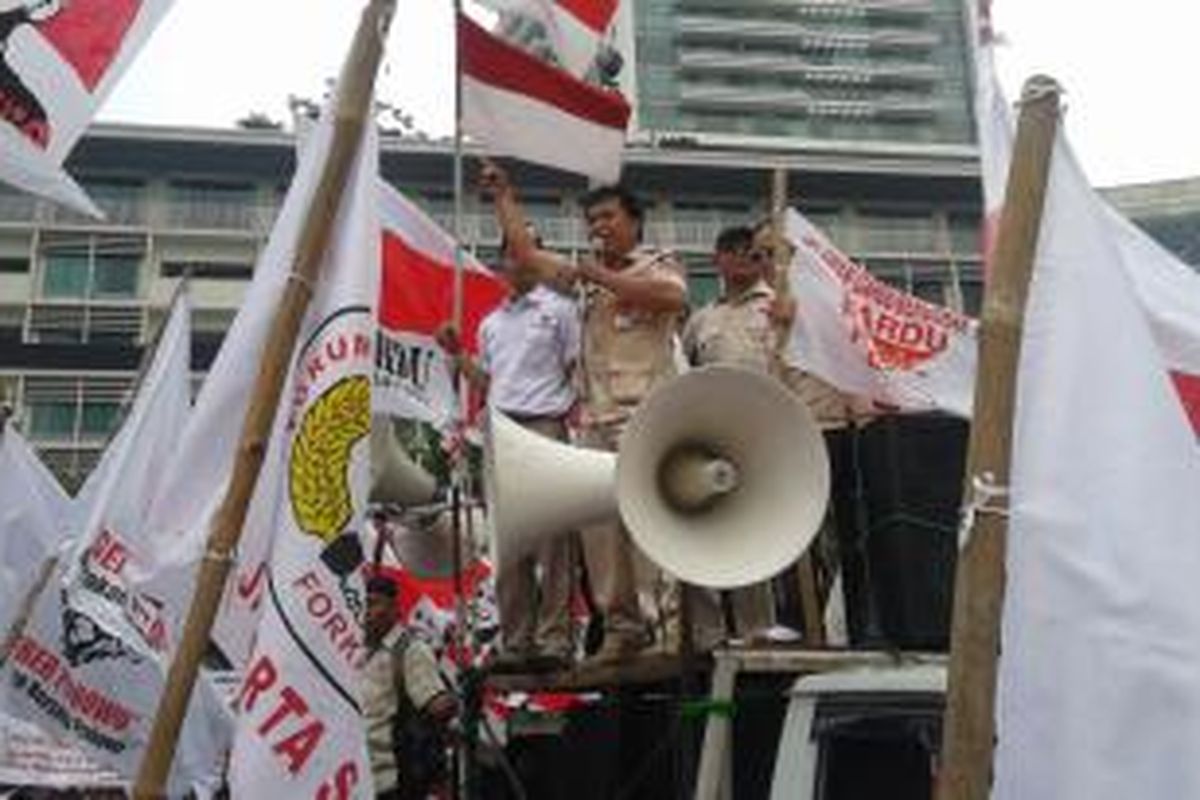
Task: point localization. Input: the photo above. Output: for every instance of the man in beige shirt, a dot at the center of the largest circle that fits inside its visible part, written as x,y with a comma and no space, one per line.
737,329
631,298
400,681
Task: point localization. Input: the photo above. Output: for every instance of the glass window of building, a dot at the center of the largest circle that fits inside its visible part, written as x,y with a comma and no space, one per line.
66,275
115,276
52,419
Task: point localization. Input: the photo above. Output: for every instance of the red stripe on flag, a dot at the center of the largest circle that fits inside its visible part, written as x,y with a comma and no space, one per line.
505,66
1188,388
418,292
88,34
596,14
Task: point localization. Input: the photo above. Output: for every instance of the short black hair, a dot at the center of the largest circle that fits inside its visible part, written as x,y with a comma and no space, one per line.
382,584
615,191
735,239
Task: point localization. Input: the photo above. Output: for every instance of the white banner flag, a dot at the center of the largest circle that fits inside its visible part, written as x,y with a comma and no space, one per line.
300,722
59,59
872,340
1168,289
28,757
89,667
35,516
1099,694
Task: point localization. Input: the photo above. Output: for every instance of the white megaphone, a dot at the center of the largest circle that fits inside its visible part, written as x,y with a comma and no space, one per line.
721,478
395,477
536,488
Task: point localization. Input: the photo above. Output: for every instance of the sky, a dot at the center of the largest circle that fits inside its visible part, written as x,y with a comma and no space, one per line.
1129,70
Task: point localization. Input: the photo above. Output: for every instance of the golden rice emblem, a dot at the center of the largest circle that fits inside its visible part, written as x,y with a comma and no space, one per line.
319,472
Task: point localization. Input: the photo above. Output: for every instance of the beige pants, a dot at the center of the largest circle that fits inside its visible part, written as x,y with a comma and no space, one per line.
534,594
611,561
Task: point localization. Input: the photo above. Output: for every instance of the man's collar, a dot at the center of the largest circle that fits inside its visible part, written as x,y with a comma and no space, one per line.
760,289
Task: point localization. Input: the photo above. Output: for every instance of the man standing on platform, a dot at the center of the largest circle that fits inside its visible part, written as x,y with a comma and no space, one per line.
737,329
528,348
631,298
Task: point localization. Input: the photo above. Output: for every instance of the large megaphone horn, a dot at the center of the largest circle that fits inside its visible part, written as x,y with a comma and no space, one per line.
537,488
722,479
395,477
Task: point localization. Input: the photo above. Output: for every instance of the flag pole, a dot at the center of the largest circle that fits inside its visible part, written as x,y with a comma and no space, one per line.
351,116
970,731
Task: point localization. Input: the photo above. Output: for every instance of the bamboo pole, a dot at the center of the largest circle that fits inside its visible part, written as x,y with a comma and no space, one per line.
351,115
970,731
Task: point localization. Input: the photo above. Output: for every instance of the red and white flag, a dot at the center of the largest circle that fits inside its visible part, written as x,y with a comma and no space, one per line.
872,340
1168,289
59,59
519,105
412,377
1099,695
576,28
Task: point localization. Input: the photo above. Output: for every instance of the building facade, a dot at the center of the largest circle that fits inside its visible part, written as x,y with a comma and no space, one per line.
865,72
79,298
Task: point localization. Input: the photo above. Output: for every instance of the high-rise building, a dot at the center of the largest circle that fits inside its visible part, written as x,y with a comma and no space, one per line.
803,73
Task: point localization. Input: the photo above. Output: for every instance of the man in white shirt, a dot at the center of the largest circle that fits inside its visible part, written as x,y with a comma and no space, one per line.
528,348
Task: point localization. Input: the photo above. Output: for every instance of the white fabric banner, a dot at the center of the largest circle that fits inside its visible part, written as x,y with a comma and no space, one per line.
35,516
89,666
28,757
59,59
1099,695
872,340
1168,289
300,722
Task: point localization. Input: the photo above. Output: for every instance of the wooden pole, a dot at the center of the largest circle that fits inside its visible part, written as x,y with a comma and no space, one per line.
970,733
351,115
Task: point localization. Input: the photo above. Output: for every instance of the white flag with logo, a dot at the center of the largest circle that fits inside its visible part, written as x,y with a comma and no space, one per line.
59,59
1099,694
300,721
90,665
872,340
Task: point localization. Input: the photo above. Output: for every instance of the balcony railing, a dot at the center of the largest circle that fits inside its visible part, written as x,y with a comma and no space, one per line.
220,215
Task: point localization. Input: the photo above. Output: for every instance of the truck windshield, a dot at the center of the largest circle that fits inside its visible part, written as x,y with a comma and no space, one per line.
878,748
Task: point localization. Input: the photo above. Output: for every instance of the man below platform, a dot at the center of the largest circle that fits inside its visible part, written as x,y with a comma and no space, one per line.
738,329
406,705
631,298
528,349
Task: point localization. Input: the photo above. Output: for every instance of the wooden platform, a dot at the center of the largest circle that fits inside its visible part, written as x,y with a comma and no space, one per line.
653,666
656,666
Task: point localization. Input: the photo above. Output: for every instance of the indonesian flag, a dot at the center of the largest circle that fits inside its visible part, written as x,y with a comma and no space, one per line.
300,715
59,59
1168,289
521,106
872,340
413,378
576,28
1099,694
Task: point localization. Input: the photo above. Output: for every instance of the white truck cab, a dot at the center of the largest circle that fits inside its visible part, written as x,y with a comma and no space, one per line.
861,734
